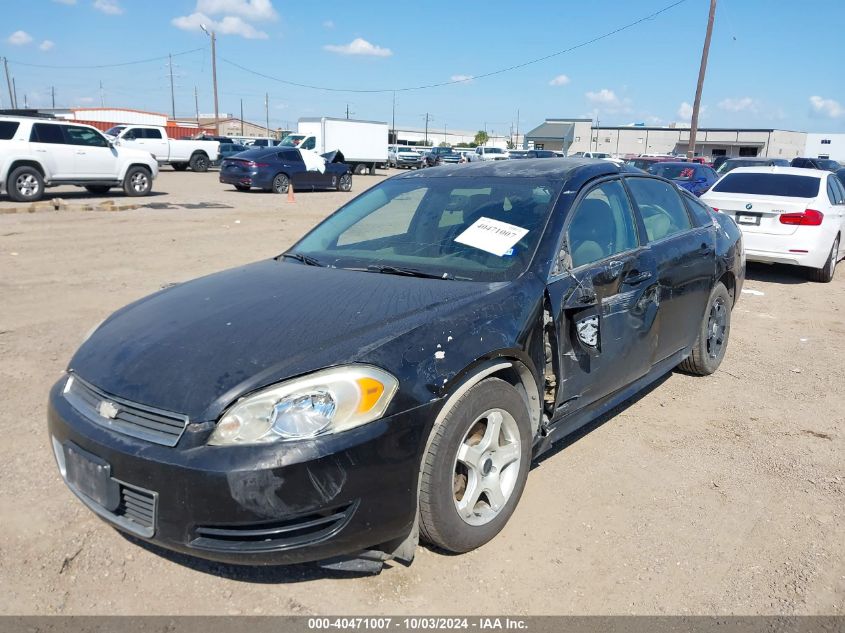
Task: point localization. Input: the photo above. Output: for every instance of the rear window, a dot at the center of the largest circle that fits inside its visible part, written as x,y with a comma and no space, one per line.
8,129
786,185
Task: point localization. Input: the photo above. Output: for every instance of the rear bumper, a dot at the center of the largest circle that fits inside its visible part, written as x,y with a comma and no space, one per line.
247,178
265,504
814,241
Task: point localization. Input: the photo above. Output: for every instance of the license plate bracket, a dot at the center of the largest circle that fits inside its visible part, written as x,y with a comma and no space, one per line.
749,219
90,475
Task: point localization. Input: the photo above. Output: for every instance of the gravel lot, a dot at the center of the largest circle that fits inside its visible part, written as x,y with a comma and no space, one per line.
707,495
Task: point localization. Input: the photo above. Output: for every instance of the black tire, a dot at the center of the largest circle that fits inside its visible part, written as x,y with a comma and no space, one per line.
179,166
824,275
137,182
97,188
200,163
360,169
25,184
280,184
441,474
242,187
713,334
344,183
372,170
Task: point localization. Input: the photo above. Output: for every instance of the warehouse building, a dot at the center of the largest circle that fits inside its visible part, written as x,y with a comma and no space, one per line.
581,135
825,146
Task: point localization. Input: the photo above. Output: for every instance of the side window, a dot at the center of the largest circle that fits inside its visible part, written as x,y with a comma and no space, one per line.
840,188
660,206
290,156
84,136
700,211
311,143
133,134
150,133
832,193
47,133
602,225
8,129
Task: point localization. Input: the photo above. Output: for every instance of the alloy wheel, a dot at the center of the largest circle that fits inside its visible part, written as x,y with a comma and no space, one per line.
27,185
139,182
716,327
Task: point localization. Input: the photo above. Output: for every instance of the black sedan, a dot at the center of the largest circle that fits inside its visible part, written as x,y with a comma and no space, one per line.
274,168
394,373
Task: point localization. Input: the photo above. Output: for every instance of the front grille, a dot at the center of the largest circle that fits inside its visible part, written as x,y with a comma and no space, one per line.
262,537
122,416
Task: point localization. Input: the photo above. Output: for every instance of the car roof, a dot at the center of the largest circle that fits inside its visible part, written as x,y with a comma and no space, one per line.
562,168
754,159
778,169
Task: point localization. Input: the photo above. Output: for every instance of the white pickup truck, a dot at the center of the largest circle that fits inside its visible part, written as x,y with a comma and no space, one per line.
198,155
483,153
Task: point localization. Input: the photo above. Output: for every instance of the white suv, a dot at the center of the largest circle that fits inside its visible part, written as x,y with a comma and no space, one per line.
38,153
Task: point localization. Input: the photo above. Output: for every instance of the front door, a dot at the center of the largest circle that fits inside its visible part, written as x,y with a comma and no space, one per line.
605,305
95,158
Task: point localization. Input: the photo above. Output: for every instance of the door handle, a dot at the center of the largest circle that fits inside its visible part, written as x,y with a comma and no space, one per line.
633,278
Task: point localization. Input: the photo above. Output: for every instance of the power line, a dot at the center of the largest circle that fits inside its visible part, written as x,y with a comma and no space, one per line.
83,67
452,82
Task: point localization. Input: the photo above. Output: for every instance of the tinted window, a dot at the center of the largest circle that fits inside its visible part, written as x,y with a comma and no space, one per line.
661,208
310,143
149,133
46,133
840,189
769,185
699,211
602,225
832,194
8,129
290,156
84,136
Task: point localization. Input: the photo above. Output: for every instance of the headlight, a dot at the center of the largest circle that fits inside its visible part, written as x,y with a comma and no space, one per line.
327,401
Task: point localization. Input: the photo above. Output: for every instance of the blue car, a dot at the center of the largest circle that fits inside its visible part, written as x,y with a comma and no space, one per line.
693,177
276,168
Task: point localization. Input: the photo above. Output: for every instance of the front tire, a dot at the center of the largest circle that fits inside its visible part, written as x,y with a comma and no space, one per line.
344,183
475,469
280,184
25,184
824,275
712,340
200,163
137,182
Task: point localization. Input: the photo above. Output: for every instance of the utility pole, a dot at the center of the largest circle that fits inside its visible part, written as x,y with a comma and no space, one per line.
427,118
267,111
517,128
347,110
393,125
242,117
9,83
197,107
102,96
53,96
15,92
213,36
172,93
693,130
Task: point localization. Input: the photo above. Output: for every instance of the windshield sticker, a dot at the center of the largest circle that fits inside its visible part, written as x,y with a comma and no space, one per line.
492,236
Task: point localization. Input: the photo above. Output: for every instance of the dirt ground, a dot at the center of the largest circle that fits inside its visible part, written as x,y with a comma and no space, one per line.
719,495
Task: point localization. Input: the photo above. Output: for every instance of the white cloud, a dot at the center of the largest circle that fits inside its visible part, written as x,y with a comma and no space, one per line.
110,7
685,111
328,24
461,78
46,45
359,46
19,38
826,107
85,100
603,97
741,104
252,10
229,25
560,80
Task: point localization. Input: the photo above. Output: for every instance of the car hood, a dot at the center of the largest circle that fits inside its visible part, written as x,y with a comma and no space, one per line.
197,346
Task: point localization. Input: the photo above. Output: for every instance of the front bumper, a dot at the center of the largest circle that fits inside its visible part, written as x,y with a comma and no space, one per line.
264,504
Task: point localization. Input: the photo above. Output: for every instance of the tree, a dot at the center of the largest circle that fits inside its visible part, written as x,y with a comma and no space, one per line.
445,144
511,145
481,137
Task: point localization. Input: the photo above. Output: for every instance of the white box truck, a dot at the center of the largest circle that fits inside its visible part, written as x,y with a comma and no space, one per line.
362,143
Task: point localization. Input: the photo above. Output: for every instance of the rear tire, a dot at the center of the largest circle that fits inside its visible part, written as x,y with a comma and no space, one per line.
98,188
200,163
360,169
344,183
137,182
280,184
712,340
25,184
475,469
824,275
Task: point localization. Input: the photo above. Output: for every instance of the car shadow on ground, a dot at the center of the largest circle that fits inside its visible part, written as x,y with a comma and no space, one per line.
82,195
776,273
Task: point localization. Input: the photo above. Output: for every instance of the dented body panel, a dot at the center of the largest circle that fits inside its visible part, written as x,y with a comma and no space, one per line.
574,341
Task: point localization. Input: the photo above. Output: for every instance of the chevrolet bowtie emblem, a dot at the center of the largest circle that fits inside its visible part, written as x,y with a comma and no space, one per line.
108,409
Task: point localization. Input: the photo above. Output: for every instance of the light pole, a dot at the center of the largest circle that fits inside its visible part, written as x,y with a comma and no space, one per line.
700,85
213,37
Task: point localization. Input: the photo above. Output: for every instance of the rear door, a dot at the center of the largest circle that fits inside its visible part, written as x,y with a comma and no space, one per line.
686,261
605,305
155,143
52,150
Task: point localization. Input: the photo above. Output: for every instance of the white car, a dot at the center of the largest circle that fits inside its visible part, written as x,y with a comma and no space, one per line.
38,153
787,215
487,153
199,155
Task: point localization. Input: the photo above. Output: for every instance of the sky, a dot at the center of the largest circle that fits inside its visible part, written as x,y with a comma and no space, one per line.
773,63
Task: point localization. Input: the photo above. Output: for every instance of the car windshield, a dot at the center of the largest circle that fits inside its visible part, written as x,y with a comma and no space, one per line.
733,163
407,150
786,185
600,155
451,228
292,140
671,171
493,150
116,130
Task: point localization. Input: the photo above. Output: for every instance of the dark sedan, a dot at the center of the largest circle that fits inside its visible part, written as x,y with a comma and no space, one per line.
395,372
228,150
274,169
531,153
693,177
439,156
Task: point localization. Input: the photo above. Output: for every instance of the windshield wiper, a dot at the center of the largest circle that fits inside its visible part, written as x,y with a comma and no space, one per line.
305,259
407,272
